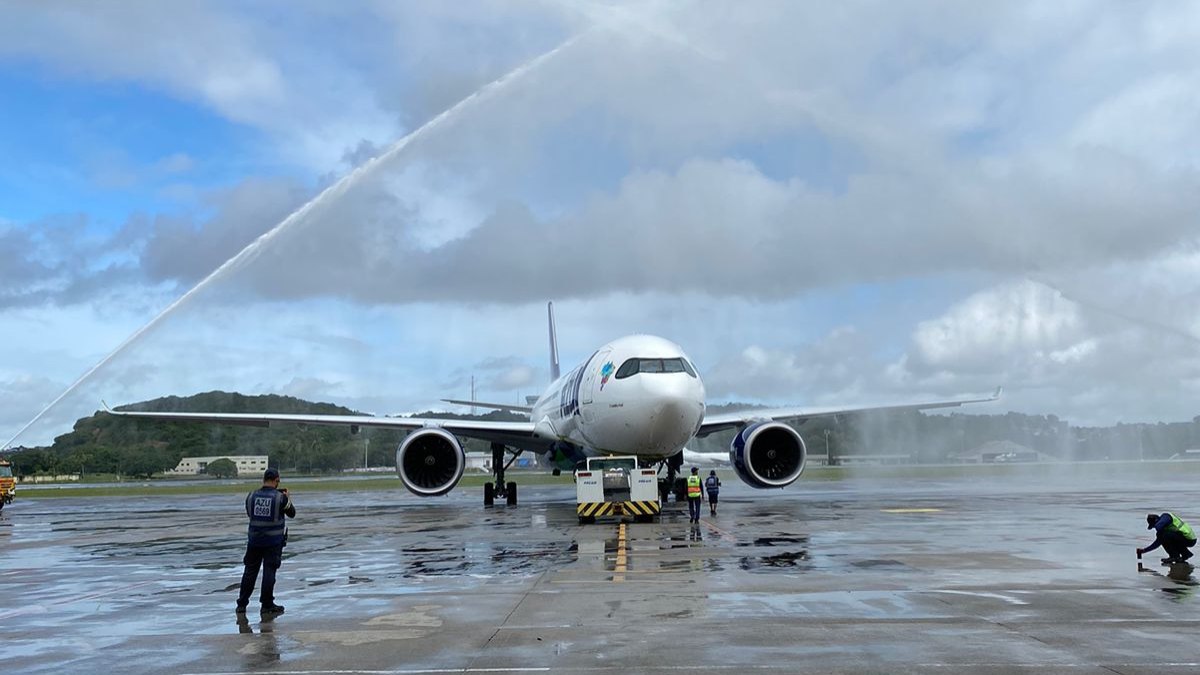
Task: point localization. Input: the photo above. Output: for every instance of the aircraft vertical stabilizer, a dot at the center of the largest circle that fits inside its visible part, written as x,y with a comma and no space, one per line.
553,343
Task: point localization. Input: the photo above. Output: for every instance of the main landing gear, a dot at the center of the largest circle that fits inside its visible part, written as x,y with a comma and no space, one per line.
505,491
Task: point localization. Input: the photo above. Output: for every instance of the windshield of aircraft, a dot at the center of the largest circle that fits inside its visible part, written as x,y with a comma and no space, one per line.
608,464
633,366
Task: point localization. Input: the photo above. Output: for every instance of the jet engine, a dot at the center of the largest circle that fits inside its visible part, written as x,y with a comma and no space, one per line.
768,455
430,461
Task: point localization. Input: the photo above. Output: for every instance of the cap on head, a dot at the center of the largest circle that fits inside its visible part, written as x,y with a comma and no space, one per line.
712,472
271,474
695,469
1151,519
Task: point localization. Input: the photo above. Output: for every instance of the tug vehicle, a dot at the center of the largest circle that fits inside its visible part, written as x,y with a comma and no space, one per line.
616,486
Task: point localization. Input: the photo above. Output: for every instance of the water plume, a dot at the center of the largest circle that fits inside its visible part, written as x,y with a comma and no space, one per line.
253,250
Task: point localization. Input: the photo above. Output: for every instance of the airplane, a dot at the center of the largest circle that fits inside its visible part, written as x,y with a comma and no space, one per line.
638,395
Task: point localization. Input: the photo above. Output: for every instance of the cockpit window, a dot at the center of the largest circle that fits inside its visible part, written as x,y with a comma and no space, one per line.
634,366
628,368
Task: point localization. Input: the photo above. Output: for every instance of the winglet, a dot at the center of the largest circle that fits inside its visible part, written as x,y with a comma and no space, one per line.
105,404
554,374
999,390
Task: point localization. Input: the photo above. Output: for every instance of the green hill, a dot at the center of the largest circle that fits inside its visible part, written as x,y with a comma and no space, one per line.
102,443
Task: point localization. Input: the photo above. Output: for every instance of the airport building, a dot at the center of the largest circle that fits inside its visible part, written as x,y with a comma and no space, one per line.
247,465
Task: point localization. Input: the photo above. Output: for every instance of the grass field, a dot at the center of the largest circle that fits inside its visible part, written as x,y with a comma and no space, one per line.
1061,471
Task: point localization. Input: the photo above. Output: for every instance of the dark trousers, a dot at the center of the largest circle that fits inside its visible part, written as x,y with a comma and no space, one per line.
267,557
1176,545
694,508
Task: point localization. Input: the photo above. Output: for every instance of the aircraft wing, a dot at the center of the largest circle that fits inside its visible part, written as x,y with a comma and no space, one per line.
515,434
736,419
494,406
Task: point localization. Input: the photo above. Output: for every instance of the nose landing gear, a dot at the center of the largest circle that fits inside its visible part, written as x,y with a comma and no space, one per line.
672,483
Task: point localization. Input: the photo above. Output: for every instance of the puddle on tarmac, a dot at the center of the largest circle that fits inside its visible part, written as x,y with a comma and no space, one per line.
873,564
777,540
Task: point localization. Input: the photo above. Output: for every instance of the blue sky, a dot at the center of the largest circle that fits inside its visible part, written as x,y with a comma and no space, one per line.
108,146
873,203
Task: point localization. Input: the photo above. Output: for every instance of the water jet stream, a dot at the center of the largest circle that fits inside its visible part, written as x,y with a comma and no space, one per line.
253,249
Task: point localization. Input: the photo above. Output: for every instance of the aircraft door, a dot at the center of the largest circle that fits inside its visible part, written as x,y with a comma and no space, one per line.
593,379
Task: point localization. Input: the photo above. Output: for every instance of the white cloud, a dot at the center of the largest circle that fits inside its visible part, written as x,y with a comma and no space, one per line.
718,175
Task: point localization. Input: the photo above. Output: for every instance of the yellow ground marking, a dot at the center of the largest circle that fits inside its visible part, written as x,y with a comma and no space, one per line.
923,510
619,569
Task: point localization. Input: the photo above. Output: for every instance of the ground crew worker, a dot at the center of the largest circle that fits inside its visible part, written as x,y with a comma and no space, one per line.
694,494
1174,535
712,485
266,508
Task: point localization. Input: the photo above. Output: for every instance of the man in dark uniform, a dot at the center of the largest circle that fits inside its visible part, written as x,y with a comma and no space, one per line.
266,508
712,485
1174,535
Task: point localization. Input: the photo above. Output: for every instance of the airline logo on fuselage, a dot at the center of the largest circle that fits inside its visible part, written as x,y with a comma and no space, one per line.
605,373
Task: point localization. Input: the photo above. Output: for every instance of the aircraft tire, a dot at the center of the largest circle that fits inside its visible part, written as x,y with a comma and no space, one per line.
489,494
512,494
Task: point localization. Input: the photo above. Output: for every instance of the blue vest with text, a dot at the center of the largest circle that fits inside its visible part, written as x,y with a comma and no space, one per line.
265,508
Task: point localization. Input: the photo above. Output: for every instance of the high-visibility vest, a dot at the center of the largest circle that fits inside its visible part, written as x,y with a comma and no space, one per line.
1183,528
693,487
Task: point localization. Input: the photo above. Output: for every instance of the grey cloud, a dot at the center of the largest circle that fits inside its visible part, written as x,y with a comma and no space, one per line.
725,229
182,249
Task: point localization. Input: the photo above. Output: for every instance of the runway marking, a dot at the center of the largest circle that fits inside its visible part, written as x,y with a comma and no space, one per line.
724,535
619,569
914,510
522,669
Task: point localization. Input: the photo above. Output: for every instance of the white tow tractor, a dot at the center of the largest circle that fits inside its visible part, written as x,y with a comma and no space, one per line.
616,486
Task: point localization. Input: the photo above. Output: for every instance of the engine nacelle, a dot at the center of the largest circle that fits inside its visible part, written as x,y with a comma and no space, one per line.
768,455
430,462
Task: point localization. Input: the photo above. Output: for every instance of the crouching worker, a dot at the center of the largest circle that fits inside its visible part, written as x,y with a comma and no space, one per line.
1174,535
266,508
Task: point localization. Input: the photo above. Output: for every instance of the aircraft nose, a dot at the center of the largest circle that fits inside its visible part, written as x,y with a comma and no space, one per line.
676,416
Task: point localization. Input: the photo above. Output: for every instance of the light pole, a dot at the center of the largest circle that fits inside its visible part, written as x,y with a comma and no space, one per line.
828,455
366,451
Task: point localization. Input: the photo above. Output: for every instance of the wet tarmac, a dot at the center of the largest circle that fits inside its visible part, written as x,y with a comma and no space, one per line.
955,576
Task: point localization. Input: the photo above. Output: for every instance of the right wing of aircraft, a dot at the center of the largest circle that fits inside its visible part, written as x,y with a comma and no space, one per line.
740,418
515,434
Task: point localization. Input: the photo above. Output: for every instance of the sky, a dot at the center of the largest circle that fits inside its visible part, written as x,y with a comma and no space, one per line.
371,203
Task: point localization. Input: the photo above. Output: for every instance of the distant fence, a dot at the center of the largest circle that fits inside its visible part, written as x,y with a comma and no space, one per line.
61,478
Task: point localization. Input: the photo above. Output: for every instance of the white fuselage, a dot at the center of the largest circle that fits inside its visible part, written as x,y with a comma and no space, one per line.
638,395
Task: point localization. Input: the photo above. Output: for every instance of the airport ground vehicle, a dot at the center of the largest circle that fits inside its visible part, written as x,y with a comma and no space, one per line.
8,484
616,486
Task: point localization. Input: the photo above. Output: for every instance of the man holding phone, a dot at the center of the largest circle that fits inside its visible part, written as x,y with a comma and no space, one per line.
266,508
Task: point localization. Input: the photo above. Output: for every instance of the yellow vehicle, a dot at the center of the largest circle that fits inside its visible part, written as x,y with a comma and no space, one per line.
8,484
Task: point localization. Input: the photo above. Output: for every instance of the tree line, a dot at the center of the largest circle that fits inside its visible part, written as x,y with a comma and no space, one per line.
103,443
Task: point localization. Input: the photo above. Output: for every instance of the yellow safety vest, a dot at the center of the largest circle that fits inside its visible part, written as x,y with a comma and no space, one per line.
1177,524
693,487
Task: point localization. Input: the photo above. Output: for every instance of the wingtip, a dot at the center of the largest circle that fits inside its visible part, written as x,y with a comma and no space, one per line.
998,392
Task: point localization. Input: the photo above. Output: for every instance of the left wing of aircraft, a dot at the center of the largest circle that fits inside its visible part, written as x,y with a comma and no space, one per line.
740,418
515,434
494,406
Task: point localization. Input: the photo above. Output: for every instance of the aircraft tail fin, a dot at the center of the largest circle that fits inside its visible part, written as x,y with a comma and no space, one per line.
554,374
